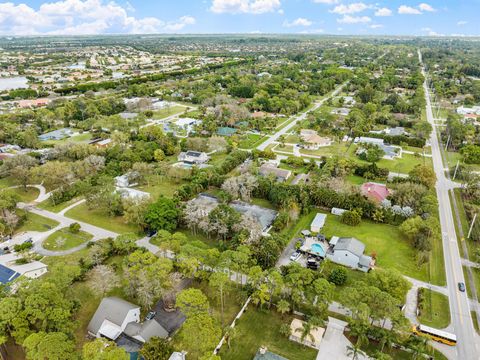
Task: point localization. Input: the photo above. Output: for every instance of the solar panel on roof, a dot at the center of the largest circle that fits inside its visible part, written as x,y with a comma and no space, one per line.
7,275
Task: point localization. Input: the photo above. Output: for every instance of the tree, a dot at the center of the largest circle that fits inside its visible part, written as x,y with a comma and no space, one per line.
283,307
192,302
338,276
51,346
307,327
351,217
471,154
424,175
156,349
201,333
220,281
162,215
103,279
74,228
124,244
354,351
103,349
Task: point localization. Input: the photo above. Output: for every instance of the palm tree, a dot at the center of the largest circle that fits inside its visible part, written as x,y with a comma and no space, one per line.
418,345
283,307
354,351
307,327
230,333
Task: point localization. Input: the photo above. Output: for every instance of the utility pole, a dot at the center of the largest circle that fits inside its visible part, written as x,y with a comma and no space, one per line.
456,168
446,145
471,226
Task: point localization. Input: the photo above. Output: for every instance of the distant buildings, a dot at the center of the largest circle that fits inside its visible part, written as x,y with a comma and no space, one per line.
59,134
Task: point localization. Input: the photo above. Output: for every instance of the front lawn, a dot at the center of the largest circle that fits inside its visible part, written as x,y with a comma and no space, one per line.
163,113
250,141
26,195
101,219
258,328
63,239
160,186
434,309
48,205
34,222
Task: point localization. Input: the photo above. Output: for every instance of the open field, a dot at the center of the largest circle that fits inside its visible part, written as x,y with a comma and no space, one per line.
101,219
436,311
163,113
36,222
63,239
251,141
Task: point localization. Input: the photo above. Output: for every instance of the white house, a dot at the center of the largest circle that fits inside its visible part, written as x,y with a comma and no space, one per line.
31,270
349,252
193,157
112,317
318,223
130,193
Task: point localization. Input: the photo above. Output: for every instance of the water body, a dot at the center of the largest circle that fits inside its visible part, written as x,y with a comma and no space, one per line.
11,83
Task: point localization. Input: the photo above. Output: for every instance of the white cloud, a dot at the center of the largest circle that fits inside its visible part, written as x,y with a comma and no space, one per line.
376,26
408,10
426,7
350,8
71,17
348,19
244,6
430,32
298,22
462,22
383,12
330,2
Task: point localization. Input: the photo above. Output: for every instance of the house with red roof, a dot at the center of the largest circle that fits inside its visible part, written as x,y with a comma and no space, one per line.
375,191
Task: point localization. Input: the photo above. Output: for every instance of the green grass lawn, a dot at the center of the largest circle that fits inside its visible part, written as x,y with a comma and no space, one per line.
286,148
7,182
436,311
26,195
258,328
48,205
63,239
393,251
80,138
101,219
163,113
161,186
251,140
339,149
36,222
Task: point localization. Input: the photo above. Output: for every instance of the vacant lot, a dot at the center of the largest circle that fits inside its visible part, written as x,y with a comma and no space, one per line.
63,239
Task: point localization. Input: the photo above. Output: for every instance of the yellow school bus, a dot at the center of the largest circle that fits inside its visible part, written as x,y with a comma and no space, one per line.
435,334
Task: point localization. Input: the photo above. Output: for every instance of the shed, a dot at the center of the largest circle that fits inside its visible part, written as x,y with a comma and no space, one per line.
318,222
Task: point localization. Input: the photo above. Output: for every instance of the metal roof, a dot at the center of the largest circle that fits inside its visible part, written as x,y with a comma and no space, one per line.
7,275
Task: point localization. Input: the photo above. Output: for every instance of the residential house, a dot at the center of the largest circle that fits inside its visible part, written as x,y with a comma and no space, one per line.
178,356
134,194
349,252
144,332
25,104
193,157
375,191
313,141
112,317
390,151
264,354
318,222
340,111
32,270
466,110
101,143
59,134
226,131
268,169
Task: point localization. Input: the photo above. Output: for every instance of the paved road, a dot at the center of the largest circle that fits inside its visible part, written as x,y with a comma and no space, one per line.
459,303
300,117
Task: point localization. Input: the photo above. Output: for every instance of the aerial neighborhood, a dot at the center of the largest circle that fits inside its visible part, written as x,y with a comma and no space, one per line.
239,197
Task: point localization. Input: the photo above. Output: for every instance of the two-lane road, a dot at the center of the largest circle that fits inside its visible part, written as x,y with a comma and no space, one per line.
459,304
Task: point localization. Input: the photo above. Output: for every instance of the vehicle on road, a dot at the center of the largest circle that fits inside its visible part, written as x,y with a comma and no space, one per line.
461,286
435,334
295,256
150,315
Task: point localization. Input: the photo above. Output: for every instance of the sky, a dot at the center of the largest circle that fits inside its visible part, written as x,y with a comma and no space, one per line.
387,17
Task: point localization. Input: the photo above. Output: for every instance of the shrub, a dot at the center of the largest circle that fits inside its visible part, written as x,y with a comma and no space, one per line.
338,276
352,218
74,228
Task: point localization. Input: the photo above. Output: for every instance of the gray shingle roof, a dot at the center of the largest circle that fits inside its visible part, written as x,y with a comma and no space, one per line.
147,330
351,244
113,309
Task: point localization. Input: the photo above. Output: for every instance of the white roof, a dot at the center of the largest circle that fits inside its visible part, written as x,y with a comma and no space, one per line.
8,260
186,121
110,330
319,220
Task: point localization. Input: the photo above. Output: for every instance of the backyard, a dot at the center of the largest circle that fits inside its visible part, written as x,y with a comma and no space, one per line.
258,328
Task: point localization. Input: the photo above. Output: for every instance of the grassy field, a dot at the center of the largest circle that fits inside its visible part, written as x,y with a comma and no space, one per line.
63,239
393,251
101,219
435,312
258,328
161,186
26,195
251,141
47,205
36,222
80,138
161,114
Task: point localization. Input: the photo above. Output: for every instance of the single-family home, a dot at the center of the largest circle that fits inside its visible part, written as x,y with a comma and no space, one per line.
390,151
112,317
193,157
375,191
318,223
462,110
313,141
32,269
267,169
349,252
340,111
314,337
144,332
264,354
122,181
128,115
226,131
133,194
59,134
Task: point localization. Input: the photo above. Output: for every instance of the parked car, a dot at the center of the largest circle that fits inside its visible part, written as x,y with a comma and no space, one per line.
295,255
461,286
150,315
29,241
312,263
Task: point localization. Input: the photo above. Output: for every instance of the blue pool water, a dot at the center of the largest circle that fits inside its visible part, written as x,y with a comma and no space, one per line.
318,249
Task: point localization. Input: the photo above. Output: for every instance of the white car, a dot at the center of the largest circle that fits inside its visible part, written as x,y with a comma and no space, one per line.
295,255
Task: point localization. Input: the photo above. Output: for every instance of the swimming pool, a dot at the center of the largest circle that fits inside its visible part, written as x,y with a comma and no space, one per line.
317,249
